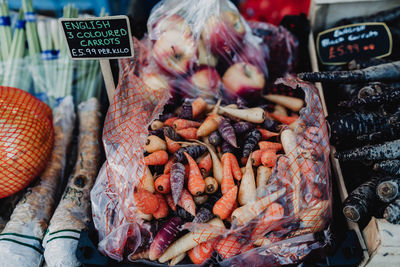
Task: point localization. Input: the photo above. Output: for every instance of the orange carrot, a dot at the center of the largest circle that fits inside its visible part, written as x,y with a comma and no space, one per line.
196,184
188,133
224,206
284,119
273,213
167,167
237,173
156,158
256,158
170,202
170,121
228,246
265,134
227,182
180,124
202,252
209,125
172,146
268,158
162,210
163,184
187,172
266,145
145,201
186,202
198,107
205,165
243,160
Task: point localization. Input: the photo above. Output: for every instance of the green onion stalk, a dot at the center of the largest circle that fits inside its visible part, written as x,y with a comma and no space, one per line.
15,61
5,30
33,40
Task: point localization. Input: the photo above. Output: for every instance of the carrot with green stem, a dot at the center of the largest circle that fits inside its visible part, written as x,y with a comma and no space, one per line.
196,184
384,72
247,190
227,178
223,207
156,158
163,183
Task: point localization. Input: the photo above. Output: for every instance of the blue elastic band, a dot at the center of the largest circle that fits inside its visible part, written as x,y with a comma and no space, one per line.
50,54
20,24
42,96
5,21
58,101
30,17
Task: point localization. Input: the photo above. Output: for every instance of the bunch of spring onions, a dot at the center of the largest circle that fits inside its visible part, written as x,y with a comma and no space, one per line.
45,61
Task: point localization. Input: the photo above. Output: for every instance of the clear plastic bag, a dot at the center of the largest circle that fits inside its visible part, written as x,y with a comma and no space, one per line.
300,181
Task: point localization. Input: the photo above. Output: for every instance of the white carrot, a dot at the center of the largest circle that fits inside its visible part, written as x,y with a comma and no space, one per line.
263,175
250,211
155,143
217,165
190,240
177,259
255,115
289,102
147,181
247,190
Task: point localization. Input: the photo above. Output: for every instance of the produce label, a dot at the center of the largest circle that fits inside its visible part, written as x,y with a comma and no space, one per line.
105,37
342,44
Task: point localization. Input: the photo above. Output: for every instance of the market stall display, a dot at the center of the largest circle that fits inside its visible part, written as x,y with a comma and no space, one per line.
205,55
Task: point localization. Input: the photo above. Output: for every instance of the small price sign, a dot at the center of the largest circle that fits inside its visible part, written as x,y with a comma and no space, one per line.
100,38
104,37
340,45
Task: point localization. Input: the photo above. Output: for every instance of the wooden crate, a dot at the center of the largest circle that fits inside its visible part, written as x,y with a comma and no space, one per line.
379,240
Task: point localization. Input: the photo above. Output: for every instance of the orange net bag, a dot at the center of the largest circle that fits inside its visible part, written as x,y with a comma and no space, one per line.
26,139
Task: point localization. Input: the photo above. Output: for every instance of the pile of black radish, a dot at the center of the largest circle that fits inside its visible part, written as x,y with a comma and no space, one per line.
211,164
365,129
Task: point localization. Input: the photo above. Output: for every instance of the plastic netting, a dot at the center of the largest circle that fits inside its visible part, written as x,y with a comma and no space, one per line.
26,139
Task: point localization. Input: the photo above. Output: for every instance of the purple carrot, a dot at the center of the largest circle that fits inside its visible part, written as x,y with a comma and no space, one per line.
203,215
215,138
251,141
243,127
167,234
186,111
227,132
177,180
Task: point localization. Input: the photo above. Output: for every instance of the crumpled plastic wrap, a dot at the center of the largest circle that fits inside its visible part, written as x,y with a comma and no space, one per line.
300,180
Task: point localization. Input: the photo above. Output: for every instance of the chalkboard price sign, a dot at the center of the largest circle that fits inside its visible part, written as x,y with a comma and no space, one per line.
357,41
102,38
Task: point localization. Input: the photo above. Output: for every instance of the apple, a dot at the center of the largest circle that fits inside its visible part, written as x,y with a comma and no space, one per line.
244,80
205,57
175,52
253,54
159,83
173,22
224,33
205,82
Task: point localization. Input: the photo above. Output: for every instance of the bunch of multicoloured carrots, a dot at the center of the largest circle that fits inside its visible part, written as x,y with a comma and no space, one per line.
200,165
